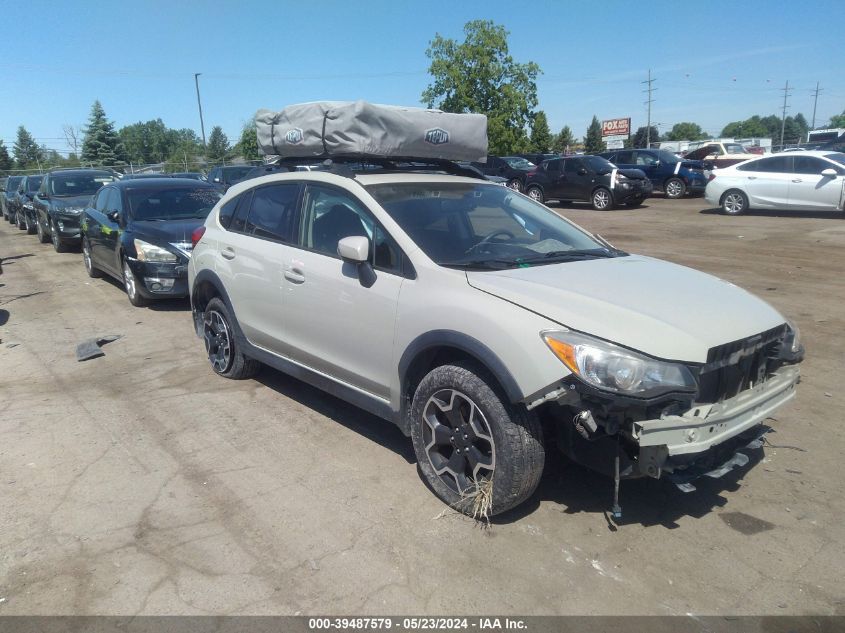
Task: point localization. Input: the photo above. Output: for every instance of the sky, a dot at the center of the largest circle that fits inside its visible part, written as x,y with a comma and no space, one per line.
714,62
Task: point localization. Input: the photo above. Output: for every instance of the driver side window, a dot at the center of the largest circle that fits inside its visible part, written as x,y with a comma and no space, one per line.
101,203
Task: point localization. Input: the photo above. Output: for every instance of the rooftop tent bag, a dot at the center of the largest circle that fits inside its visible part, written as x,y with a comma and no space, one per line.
358,128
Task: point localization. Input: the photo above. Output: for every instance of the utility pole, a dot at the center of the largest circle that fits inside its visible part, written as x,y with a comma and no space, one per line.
815,103
649,90
199,105
783,116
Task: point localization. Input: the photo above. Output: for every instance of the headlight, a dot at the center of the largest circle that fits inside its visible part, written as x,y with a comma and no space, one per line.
793,337
151,253
28,205
70,210
608,366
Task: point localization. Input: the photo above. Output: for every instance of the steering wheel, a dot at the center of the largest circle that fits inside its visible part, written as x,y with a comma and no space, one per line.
488,238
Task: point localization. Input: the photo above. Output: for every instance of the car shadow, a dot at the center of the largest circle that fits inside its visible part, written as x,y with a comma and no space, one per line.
11,257
584,205
777,213
361,422
647,502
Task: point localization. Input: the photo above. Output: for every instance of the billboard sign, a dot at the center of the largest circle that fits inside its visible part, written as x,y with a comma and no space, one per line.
616,127
615,144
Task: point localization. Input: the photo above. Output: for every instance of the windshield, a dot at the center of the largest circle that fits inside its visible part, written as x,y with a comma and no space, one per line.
234,174
12,183
838,157
78,184
518,162
599,164
734,148
33,183
477,225
172,203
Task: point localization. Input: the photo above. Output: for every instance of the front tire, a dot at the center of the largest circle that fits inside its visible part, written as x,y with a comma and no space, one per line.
602,199
675,188
20,220
39,228
734,202
468,438
30,230
130,284
220,345
535,193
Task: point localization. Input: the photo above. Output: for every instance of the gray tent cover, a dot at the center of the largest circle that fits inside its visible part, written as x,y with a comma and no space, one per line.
354,128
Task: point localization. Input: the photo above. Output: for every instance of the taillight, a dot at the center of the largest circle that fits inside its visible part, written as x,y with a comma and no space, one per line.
711,176
196,236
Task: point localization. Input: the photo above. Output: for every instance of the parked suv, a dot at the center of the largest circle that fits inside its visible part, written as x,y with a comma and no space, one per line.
512,168
473,317
9,195
24,209
60,200
225,177
674,176
587,178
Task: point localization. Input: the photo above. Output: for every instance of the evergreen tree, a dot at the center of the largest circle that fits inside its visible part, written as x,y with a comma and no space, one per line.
248,145
218,144
642,134
5,160
564,141
102,145
27,152
541,135
592,141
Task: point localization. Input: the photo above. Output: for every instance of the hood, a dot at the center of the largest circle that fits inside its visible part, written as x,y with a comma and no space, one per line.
78,202
165,231
662,309
633,173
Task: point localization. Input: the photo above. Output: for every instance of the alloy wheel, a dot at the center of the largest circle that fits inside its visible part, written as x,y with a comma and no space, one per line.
734,203
601,199
54,235
86,255
218,343
458,441
515,184
129,281
673,189
535,194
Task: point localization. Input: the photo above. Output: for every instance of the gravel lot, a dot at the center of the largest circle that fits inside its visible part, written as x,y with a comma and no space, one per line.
141,483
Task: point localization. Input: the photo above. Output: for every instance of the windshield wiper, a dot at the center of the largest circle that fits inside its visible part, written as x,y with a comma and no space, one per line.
496,264
574,254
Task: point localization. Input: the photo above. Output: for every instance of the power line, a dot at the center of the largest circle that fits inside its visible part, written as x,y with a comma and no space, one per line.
649,90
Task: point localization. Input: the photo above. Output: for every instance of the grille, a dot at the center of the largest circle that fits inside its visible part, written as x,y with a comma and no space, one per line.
734,367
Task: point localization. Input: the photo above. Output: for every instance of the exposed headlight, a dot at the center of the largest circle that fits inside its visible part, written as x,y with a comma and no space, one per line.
151,253
621,176
793,337
70,210
28,205
608,366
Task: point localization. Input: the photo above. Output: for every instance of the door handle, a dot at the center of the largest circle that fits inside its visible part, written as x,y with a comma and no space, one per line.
752,178
797,180
294,275
228,253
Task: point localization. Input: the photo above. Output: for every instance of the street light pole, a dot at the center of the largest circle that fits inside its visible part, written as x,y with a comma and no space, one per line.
199,105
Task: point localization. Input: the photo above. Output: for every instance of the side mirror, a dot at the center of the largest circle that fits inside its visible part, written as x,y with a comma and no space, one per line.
355,249
829,173
114,216
217,180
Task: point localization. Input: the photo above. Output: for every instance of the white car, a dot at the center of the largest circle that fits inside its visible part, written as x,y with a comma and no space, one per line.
805,181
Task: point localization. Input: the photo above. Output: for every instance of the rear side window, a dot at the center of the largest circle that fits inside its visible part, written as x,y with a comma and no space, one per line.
623,158
272,211
553,166
775,164
227,211
239,220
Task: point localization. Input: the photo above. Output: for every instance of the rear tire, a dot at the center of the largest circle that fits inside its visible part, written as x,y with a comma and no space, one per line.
223,353
515,184
602,199
90,268
674,188
58,245
465,434
535,193
734,202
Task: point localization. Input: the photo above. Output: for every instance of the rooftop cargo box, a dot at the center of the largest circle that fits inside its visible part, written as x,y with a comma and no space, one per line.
357,128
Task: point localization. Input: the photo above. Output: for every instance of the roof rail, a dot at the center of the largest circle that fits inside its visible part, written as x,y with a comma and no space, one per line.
344,165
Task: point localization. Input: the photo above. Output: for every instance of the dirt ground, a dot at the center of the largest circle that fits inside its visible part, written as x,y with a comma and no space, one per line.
141,483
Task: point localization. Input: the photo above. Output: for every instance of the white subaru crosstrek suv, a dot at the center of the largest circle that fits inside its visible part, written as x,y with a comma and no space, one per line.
472,317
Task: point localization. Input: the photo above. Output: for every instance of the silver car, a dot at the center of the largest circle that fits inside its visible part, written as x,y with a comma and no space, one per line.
487,327
796,181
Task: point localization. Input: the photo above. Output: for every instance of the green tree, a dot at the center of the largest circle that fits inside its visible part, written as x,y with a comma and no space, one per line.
686,131
639,139
592,141
479,75
101,145
5,160
27,152
837,120
248,145
147,142
218,145
541,135
563,141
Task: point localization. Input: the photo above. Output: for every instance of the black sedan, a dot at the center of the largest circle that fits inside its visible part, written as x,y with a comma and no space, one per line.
25,211
589,178
139,232
512,168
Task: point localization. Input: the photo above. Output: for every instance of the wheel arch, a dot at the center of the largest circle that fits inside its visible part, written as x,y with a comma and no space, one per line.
442,347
